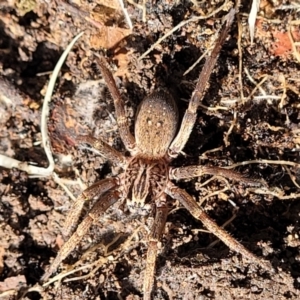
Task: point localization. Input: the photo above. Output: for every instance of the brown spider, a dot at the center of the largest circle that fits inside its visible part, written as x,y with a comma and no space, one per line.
147,174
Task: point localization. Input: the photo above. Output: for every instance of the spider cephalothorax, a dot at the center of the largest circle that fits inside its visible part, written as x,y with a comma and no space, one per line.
147,176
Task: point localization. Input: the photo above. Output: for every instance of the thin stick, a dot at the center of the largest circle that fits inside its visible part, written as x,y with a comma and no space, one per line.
33,171
47,99
263,161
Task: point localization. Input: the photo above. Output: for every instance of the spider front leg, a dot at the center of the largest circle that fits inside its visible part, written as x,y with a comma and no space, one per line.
126,136
190,115
98,209
153,243
197,171
104,149
191,205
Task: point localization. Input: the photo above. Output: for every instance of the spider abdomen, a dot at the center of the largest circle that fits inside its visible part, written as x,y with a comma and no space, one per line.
156,124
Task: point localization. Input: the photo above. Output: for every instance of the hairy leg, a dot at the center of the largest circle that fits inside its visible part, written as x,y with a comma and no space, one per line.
104,149
195,171
153,243
190,115
126,136
97,189
98,209
191,205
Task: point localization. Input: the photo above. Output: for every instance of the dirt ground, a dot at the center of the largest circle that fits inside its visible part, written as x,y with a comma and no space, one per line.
250,114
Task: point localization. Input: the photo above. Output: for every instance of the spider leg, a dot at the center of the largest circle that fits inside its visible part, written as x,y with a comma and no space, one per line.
126,136
196,171
190,115
153,244
191,205
97,189
105,150
101,206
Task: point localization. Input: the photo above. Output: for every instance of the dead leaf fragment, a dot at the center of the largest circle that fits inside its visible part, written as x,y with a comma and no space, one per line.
282,45
115,4
108,37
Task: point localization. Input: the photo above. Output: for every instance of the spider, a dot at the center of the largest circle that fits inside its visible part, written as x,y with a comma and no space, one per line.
148,176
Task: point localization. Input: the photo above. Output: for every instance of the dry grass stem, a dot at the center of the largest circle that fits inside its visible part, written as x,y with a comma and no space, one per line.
225,6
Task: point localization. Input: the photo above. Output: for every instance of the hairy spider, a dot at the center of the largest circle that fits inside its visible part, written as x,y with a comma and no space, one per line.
147,173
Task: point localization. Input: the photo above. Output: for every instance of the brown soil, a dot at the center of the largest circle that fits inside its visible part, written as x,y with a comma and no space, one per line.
33,35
